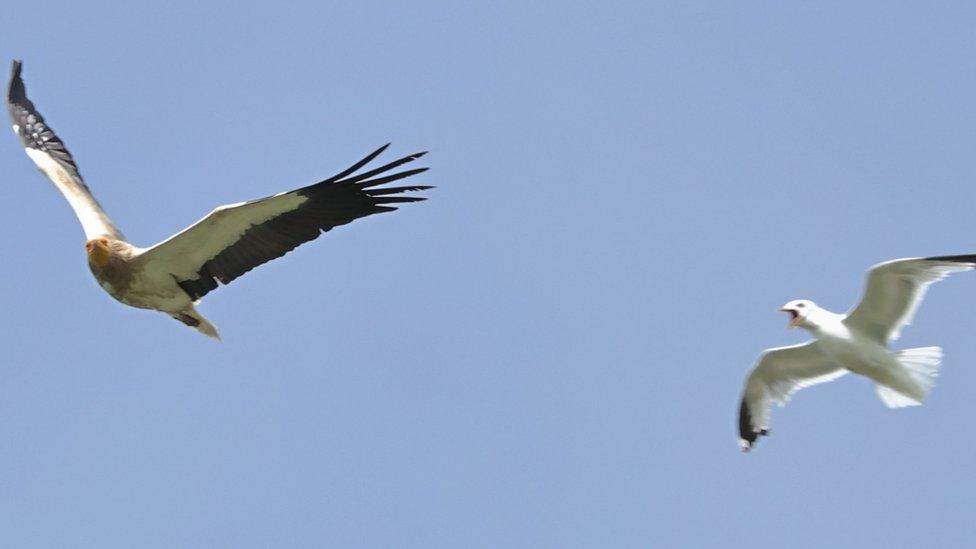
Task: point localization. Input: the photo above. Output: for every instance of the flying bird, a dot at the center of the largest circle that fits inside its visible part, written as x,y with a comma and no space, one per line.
174,274
856,342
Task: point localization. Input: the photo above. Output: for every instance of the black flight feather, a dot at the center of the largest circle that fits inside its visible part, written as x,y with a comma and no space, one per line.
335,201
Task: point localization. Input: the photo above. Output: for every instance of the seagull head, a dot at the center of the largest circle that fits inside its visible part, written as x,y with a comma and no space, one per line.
799,310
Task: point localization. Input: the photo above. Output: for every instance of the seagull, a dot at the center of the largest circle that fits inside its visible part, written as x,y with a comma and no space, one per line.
857,342
174,274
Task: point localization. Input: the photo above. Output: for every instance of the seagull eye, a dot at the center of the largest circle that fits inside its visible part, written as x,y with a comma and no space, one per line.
801,305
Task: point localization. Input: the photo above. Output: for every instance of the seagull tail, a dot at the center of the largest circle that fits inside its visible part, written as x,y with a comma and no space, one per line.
912,382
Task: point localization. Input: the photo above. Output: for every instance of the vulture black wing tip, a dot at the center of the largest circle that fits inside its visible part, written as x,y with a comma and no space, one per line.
15,91
968,258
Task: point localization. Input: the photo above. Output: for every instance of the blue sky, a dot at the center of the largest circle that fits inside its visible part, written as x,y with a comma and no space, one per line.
547,353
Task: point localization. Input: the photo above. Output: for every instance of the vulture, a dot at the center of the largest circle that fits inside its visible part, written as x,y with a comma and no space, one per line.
173,275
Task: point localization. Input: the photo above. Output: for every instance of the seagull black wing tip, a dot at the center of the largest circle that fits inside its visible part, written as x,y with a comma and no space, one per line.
748,435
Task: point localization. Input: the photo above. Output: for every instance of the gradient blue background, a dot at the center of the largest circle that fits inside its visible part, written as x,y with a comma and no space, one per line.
549,352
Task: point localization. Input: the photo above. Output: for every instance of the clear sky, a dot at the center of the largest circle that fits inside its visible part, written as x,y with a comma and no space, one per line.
547,353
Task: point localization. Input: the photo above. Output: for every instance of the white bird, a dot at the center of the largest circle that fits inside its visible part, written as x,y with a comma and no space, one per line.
173,275
856,342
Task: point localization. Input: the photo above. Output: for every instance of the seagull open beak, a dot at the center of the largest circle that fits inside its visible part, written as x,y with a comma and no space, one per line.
794,317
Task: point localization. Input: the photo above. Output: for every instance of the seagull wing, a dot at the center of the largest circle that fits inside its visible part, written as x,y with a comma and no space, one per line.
49,153
896,288
779,373
234,239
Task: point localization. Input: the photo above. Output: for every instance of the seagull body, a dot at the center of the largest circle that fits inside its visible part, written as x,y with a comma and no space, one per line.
173,275
857,342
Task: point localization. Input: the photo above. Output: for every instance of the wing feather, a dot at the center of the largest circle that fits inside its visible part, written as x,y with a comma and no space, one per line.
779,373
53,159
234,239
896,288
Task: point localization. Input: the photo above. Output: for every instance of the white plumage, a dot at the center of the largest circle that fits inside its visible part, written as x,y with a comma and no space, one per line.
173,275
856,342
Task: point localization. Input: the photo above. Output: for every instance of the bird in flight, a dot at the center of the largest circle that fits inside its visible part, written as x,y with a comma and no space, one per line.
856,342
174,274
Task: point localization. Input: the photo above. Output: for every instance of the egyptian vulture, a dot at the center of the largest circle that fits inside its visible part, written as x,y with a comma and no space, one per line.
856,342
173,275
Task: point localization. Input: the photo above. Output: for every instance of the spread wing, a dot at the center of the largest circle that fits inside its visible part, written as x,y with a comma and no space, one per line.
779,373
896,288
51,156
234,239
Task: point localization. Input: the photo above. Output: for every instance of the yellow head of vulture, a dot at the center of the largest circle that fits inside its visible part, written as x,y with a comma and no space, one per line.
98,251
